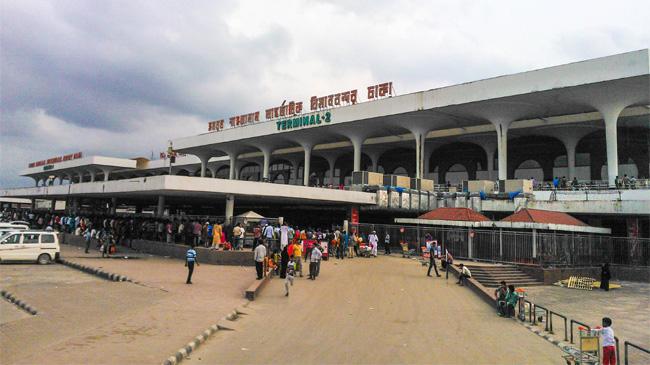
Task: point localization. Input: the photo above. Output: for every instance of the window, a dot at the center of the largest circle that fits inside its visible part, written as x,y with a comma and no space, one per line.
15,238
30,238
47,238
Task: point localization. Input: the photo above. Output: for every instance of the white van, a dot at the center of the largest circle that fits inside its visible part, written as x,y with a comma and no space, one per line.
6,228
35,246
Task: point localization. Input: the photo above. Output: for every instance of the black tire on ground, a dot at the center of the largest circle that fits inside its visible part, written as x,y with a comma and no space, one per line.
44,259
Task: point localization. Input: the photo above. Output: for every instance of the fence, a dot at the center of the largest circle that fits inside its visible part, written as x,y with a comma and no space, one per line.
541,248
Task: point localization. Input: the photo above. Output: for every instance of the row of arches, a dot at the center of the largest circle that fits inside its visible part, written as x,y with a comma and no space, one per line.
535,156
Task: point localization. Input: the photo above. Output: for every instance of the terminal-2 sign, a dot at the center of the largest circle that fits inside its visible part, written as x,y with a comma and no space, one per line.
303,121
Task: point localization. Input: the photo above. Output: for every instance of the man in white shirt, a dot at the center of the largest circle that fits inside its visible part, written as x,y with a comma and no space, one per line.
464,274
374,242
314,260
259,254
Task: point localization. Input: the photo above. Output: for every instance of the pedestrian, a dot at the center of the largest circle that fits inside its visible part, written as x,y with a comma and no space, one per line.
511,301
605,275
373,240
291,274
216,236
259,255
387,244
284,261
190,260
315,256
236,235
284,235
297,256
432,260
609,341
500,297
348,244
257,236
464,274
87,236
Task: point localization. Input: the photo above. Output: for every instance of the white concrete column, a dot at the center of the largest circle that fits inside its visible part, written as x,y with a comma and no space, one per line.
306,164
230,208
233,166
107,174
357,143
204,163
36,181
502,147
571,159
267,163
61,177
81,177
490,165
610,115
419,135
331,161
160,209
92,175
213,171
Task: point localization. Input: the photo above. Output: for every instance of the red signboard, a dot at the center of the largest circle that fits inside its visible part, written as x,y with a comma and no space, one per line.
381,90
283,110
216,125
354,216
334,100
315,103
53,160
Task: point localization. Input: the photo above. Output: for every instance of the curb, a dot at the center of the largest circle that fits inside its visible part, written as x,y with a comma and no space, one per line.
545,335
191,346
19,303
95,271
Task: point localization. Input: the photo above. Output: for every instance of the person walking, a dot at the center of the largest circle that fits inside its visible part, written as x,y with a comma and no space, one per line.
431,245
387,244
373,240
315,257
297,256
284,261
259,255
190,260
291,274
87,237
349,245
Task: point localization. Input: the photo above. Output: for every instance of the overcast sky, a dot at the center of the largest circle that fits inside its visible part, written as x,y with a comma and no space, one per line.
120,78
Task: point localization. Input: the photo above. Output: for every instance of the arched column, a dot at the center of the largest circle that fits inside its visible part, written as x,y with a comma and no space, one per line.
307,163
610,114
502,127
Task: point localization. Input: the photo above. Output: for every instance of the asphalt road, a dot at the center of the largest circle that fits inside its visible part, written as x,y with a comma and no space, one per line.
374,311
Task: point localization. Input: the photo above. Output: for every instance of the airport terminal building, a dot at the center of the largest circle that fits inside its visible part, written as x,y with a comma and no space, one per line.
393,155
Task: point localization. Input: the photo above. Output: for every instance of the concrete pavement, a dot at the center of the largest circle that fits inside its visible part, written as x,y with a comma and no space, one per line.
88,320
374,311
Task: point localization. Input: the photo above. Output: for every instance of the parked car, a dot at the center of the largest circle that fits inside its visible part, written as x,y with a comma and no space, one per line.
31,246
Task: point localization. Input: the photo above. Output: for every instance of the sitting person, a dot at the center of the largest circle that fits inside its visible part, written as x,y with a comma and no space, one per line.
464,274
511,301
500,296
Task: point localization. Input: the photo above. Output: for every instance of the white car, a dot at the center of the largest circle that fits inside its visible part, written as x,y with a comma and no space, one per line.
28,245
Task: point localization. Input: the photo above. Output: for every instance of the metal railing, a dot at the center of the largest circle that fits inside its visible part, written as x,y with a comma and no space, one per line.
628,344
516,247
566,338
580,323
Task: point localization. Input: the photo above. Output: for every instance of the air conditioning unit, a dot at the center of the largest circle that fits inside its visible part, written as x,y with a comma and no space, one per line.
367,178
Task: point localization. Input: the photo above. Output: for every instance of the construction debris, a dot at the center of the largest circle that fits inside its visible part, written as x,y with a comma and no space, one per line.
583,283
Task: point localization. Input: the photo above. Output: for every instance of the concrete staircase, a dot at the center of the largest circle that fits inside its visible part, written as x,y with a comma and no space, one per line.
491,275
